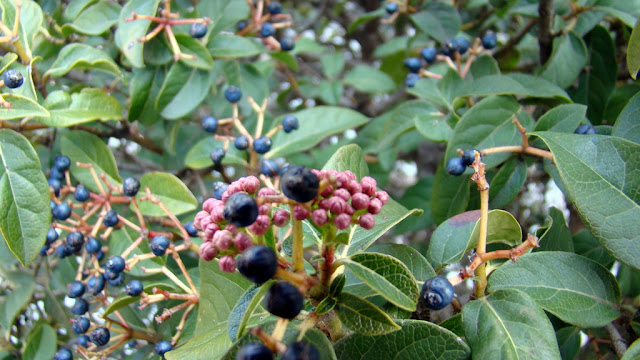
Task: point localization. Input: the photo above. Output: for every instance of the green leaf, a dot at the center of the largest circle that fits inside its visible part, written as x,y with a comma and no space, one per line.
567,59
563,118
417,196
449,196
556,235
249,79
286,58
21,107
483,66
633,52
601,174
31,19
87,148
193,47
555,279
369,80
626,11
332,64
144,88
362,317
415,262
588,246
416,340
183,90
6,60
507,324
82,56
349,157
433,126
25,216
314,128
85,106
327,304
569,342
223,13
198,156
128,33
228,46
40,343
73,9
386,276
439,20
208,345
507,183
173,193
13,303
361,20
633,352
330,91
627,125
94,20
518,84
244,309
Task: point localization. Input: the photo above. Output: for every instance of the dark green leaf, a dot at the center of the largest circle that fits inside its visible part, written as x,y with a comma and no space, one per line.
128,33
567,59
369,80
85,106
144,88
483,66
588,246
454,324
518,84
244,309
415,262
198,156
627,125
17,299
82,56
40,343
327,304
507,183
449,196
21,107
183,90
223,13
362,317
332,64
370,16
556,236
629,281
286,58
207,345
626,11
633,352
417,196
563,118
173,193
438,20
569,342
227,46
94,20
123,238
193,47
633,53
348,157
31,19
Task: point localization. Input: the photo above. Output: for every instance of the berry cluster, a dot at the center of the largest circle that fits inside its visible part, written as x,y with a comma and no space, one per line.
296,351
456,166
259,22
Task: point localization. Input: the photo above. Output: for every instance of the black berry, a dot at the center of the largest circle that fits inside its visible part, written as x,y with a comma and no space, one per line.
117,281
413,64
267,30
63,251
61,212
163,347
489,40
233,94
429,54
301,350
80,307
258,263
437,293
95,285
449,48
56,185
100,336
287,44
462,45
83,340
262,144
241,209
198,30
76,289
209,124
283,300
289,123
217,155
75,240
61,162
110,218
299,183
585,129
130,186
134,288
254,351
241,142
110,275
92,245
159,244
55,173
455,166
13,79
116,264
468,157
82,193
80,324
63,354
241,25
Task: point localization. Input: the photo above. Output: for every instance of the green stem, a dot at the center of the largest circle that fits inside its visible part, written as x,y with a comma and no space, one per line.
298,251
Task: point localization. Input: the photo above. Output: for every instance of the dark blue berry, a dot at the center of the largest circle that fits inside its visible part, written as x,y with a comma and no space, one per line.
429,54
219,188
92,245
110,275
287,44
301,350
455,166
80,324
110,218
462,45
289,123
468,157
82,193
134,288
269,168
100,336
55,173
61,162
159,244
241,25
52,205
411,79
198,30
61,212
489,40
56,185
299,183
95,285
258,263
100,255
209,124
283,300
413,64
75,240
80,307
116,264
241,143
437,293
44,249
585,129
83,340
391,7
63,251
240,209
13,78
262,144
130,186
76,289
449,48
52,235
274,8
254,351
191,230
267,30
118,281
233,94
162,347
217,155
63,354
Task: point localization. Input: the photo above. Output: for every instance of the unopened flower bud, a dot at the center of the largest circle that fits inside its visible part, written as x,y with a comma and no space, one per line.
360,201
300,212
281,217
342,221
382,196
227,264
367,221
342,193
319,216
242,241
207,251
222,239
375,206
368,185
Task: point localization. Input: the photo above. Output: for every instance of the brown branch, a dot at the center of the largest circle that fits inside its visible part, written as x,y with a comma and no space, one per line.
515,39
545,36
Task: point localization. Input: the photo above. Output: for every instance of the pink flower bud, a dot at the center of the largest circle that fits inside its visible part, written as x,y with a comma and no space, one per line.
250,184
207,251
205,222
348,209
265,209
375,206
319,217
336,205
234,187
231,228
368,185
281,217
342,179
261,225
342,193
210,230
342,221
266,192
327,191
382,196
217,213
367,221
324,204
209,204
350,175
300,212
360,201
317,173
199,216
227,264
331,174
354,187
222,239
242,241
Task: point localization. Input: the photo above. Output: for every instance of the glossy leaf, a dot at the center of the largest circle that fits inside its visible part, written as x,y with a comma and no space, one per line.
601,174
627,125
31,19
183,90
173,193
563,118
416,340
82,56
555,279
556,235
94,20
369,80
85,106
415,262
507,183
144,88
348,157
518,84
588,246
21,107
207,345
244,309
362,317
128,33
198,156
633,352
190,46
226,46
507,324
567,59
439,20
417,196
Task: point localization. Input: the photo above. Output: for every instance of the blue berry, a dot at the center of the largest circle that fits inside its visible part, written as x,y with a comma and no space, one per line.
80,324
437,293
52,235
61,162
254,351
241,143
219,188
262,144
13,78
44,249
274,8
159,244
209,124
81,194
61,212
283,300
75,240
301,350
92,245
429,54
413,64
462,45
110,275
95,285
233,94
117,281
299,183
52,205
116,264
134,288
100,255
162,347
100,336
391,7
217,155
449,48
63,354
585,129
198,30
455,166
83,340
289,123
110,218
258,263
191,230
411,79
62,251
240,209
130,186
80,307
267,30
241,25
489,40
56,185
468,157
287,44
269,168
76,289
55,173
